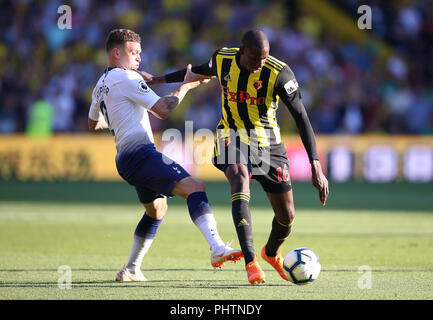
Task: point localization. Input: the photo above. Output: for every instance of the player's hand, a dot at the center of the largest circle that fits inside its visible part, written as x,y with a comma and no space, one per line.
319,181
96,125
195,79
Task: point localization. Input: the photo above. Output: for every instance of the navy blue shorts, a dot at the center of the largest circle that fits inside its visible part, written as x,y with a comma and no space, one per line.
149,171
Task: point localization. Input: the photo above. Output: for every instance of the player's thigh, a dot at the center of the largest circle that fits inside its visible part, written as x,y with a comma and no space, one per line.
187,186
238,176
275,181
157,208
231,156
283,206
272,172
156,172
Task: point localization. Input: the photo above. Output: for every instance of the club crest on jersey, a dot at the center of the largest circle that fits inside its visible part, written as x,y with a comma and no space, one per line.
227,78
142,87
177,170
258,84
291,86
227,141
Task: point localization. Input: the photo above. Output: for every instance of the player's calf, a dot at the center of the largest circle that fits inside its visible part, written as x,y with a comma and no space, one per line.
238,177
144,235
278,235
201,214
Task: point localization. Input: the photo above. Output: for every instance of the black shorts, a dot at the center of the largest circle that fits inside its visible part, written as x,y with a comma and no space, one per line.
268,165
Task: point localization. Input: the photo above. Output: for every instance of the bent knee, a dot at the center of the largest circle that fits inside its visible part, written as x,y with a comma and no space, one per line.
199,186
286,216
238,176
188,186
156,209
194,185
291,217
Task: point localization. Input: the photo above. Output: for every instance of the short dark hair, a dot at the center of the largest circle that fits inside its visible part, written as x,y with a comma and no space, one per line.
255,39
119,37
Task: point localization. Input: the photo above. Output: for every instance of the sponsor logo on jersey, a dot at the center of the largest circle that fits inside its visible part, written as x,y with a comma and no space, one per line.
242,97
291,86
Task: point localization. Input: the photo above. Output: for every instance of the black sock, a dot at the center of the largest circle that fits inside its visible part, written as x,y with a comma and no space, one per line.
279,233
242,220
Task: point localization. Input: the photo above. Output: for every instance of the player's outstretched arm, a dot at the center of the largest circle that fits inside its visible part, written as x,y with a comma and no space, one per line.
287,89
165,105
155,80
207,69
308,138
146,76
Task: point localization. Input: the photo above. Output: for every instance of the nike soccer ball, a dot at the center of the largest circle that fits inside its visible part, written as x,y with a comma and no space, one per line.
302,266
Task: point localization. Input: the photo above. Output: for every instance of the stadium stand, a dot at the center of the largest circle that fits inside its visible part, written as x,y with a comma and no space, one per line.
347,85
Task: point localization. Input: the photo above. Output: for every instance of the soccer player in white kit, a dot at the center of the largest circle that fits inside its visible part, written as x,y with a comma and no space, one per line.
121,101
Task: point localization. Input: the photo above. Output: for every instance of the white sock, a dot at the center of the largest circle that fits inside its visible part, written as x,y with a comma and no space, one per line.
208,227
139,248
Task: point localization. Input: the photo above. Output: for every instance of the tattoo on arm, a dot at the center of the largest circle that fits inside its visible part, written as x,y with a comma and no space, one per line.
171,102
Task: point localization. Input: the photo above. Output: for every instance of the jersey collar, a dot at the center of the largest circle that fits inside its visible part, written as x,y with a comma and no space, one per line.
109,69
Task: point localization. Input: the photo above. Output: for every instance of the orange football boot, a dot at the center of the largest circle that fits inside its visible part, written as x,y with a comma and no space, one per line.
276,262
224,254
255,273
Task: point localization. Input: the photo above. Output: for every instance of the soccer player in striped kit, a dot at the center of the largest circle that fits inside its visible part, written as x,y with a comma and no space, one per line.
248,143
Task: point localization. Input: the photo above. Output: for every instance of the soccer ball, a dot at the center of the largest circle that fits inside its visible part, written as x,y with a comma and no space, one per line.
302,266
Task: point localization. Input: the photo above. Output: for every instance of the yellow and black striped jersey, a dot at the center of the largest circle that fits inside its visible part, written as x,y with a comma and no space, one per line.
250,100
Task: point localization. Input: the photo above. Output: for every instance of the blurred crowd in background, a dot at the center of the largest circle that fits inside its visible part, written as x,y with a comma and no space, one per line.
347,87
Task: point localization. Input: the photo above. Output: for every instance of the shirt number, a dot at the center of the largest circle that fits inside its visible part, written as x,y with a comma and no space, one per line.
103,108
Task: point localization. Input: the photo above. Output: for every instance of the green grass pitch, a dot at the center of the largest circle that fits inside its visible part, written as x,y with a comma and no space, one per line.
88,227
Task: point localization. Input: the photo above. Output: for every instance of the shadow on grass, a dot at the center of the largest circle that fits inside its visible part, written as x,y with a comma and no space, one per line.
166,283
214,271
151,284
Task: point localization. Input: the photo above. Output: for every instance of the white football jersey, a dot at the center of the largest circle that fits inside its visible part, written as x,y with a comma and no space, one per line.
122,98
